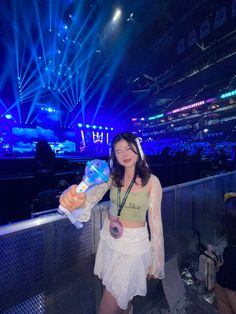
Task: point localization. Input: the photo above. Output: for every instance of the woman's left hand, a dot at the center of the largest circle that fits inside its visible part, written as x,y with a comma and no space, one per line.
149,277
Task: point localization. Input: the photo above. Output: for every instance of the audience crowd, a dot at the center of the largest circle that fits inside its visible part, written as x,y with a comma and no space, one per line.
223,154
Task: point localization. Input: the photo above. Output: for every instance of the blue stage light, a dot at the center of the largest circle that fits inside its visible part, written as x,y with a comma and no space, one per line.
8,116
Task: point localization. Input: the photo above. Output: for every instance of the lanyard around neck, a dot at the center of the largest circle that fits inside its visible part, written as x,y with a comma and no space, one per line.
120,206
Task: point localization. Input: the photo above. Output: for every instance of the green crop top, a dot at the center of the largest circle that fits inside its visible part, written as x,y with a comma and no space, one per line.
135,207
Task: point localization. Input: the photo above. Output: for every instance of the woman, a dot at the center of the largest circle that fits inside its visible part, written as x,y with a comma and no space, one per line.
125,256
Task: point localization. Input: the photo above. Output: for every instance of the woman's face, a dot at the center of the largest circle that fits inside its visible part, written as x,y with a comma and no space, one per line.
125,155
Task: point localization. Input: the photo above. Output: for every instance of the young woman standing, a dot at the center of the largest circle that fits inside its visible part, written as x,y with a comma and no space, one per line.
126,256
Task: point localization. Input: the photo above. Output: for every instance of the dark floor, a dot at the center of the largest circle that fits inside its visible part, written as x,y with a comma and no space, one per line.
195,298
196,301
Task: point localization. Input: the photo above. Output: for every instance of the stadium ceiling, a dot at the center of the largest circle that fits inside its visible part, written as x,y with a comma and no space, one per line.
83,56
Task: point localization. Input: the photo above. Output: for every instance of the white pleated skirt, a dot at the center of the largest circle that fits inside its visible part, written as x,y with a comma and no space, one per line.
122,264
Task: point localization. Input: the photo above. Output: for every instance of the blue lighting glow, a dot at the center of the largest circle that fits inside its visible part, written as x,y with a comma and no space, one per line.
61,59
228,94
100,127
8,116
48,109
156,117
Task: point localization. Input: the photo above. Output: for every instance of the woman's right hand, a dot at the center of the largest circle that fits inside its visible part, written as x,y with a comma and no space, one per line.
71,200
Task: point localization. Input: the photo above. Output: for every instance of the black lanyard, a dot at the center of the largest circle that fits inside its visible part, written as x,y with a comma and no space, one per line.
120,206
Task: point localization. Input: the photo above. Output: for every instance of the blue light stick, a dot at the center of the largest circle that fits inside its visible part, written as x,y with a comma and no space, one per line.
96,172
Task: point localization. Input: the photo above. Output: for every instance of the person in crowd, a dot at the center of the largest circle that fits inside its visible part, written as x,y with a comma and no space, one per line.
126,256
222,161
197,156
165,156
225,286
234,157
44,157
181,156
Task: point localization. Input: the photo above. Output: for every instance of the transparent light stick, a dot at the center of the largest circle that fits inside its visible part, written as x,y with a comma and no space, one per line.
96,172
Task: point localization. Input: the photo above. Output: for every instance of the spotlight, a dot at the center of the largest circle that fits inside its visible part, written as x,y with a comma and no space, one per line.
116,15
130,18
8,116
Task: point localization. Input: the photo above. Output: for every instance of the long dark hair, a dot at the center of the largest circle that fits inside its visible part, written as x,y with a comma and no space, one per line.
142,169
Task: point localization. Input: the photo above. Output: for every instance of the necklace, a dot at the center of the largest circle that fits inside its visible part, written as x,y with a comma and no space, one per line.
121,205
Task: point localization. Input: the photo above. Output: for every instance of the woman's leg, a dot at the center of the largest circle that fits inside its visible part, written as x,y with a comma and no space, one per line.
231,296
129,309
108,304
222,301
